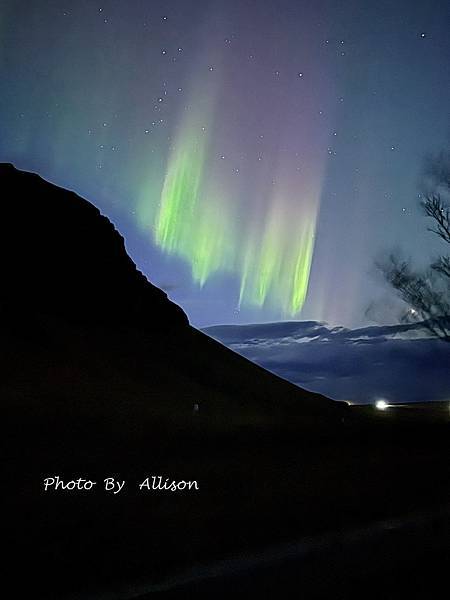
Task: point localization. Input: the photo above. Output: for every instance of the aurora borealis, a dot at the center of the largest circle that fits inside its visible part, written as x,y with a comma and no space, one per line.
256,156
187,221
194,222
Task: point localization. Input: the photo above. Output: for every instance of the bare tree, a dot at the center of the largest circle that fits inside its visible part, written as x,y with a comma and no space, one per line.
427,293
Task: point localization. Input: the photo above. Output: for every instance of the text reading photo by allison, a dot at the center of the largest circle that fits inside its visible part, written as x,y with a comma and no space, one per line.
225,298
110,484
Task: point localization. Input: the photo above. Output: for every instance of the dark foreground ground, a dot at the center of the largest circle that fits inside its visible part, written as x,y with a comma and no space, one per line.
394,558
361,509
402,556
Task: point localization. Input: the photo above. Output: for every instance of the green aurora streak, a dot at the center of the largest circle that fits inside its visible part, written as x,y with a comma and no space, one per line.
194,222
277,267
191,222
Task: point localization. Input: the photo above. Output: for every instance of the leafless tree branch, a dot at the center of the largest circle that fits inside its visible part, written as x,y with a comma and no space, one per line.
427,293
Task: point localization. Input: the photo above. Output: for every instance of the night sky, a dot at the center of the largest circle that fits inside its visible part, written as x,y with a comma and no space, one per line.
257,156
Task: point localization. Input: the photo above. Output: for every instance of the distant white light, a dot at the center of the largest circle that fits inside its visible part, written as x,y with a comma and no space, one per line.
381,405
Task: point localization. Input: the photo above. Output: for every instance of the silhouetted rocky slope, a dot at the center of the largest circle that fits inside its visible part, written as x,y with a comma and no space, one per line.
60,256
70,290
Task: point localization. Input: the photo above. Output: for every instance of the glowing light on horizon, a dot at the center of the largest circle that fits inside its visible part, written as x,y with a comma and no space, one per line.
381,404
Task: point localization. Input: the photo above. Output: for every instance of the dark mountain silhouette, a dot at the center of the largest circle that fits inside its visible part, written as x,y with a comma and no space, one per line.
66,277
60,256
102,376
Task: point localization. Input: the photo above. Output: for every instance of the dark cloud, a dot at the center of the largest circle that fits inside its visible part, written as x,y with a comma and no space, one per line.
398,362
